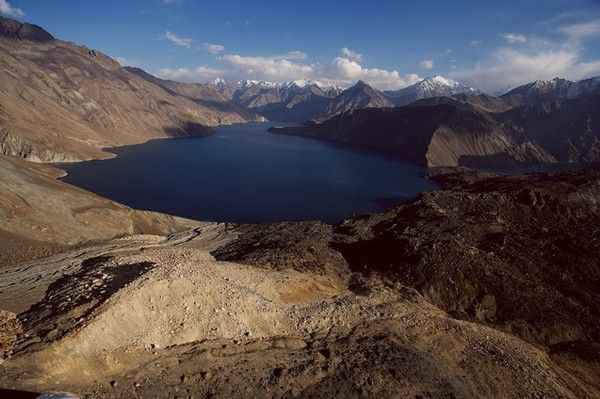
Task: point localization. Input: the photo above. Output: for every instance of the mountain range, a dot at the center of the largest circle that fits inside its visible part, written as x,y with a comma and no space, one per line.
555,121
298,101
65,102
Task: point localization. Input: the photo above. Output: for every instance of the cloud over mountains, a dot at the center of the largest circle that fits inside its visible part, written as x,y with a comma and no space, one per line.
516,59
343,70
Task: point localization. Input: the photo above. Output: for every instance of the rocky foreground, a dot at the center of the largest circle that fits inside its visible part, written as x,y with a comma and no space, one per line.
487,288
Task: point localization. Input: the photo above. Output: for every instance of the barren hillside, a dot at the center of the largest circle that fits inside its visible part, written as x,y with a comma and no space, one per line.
64,102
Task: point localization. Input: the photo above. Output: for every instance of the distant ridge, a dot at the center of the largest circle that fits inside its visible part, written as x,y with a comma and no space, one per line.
434,86
298,101
550,90
462,131
447,134
13,29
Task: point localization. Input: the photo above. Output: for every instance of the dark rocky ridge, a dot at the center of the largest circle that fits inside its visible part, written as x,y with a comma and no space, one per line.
13,29
445,131
447,134
567,129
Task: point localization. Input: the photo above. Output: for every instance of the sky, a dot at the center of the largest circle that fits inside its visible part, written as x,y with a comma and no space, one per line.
490,45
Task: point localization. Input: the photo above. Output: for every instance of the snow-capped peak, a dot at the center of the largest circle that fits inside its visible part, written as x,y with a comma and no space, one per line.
433,86
440,80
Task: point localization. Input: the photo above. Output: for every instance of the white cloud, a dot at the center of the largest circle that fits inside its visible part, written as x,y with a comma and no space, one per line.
426,64
349,54
213,48
475,43
180,41
7,9
172,1
513,38
291,55
267,68
535,58
508,67
200,74
342,71
582,30
345,72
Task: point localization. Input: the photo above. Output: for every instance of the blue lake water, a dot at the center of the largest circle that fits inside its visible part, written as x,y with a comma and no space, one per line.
245,174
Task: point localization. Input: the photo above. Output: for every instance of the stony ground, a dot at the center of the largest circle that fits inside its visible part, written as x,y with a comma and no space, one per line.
488,288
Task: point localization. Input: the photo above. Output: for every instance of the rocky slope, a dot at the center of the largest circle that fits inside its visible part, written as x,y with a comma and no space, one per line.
359,96
482,101
39,214
517,254
441,135
486,288
567,129
203,94
63,102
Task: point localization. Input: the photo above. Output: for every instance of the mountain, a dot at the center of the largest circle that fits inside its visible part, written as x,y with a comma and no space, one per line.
531,93
567,129
300,100
440,135
435,86
64,102
12,29
203,94
480,101
359,96
288,101
445,131
551,90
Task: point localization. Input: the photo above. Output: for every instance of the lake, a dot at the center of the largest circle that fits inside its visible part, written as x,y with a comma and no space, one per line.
244,174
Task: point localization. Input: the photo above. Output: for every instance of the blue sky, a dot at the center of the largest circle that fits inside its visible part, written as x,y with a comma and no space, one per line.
390,44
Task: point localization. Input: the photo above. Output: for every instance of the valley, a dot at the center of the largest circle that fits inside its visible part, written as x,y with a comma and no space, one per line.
280,226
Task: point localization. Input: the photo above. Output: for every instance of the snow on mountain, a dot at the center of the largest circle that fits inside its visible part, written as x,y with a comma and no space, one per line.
551,90
434,86
300,83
